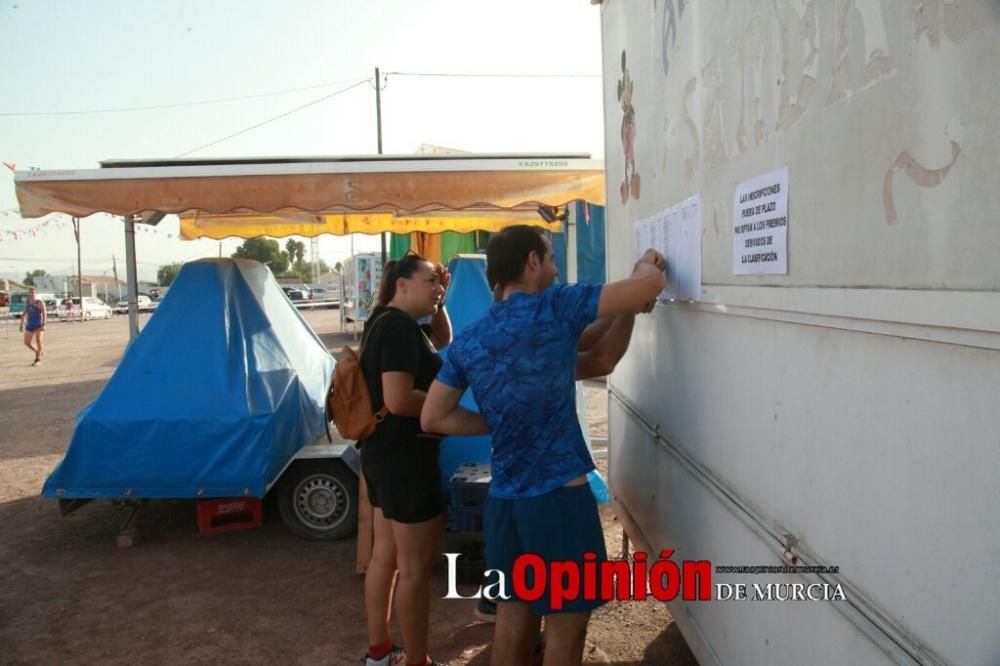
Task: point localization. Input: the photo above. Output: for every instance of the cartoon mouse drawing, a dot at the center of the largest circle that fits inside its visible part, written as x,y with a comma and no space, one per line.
625,90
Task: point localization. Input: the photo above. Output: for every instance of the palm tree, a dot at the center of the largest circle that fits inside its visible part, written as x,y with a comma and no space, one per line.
296,252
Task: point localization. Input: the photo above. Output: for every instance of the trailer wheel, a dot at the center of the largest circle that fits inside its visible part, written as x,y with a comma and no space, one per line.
318,500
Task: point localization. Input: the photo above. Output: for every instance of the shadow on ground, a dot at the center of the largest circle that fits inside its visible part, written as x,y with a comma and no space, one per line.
46,431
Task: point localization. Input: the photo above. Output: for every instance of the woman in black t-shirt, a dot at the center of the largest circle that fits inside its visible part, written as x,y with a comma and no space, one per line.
400,461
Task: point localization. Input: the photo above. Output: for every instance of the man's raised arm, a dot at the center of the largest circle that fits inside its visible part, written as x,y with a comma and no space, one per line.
634,293
604,342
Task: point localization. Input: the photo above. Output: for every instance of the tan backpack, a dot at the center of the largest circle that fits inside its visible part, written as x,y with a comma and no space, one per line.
348,401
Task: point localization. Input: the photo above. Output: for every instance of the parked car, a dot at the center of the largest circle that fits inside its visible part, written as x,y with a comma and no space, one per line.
294,293
142,300
319,293
18,299
93,308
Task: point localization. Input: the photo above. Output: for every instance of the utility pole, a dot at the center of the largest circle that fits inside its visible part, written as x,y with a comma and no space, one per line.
378,122
378,108
114,268
79,266
314,264
133,278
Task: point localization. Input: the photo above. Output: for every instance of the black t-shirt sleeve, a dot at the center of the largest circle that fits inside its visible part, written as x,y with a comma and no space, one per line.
398,346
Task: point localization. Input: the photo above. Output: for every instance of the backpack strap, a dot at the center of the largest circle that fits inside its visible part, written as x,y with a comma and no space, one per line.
367,334
382,413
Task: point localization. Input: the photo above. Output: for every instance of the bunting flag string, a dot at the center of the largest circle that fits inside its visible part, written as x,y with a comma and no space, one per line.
61,223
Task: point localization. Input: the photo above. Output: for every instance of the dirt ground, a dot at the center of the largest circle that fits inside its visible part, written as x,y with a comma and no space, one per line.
69,595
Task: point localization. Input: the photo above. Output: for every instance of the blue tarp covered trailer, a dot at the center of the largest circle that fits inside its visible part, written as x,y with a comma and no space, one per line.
226,383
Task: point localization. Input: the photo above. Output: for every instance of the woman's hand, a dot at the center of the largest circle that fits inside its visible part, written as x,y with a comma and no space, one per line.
444,279
444,276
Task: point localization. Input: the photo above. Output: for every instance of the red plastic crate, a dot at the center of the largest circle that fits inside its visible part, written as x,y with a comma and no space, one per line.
229,514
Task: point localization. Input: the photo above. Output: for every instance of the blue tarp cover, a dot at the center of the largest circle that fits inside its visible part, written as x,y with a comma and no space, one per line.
589,246
213,399
468,299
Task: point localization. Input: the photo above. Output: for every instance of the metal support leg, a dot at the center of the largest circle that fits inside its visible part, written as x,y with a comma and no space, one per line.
128,533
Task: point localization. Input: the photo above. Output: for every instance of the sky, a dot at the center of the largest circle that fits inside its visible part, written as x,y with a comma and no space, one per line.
63,60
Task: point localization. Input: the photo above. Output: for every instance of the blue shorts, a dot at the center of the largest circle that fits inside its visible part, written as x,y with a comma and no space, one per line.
560,526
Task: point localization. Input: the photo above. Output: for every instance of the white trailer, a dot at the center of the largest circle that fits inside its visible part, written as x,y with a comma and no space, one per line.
846,412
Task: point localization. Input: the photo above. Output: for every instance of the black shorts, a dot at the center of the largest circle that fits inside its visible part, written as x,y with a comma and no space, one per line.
403,479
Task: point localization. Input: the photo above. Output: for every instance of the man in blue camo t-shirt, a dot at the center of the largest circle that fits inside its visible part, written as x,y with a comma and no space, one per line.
520,360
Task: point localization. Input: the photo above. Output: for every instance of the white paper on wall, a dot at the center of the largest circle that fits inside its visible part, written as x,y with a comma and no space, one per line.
690,280
676,234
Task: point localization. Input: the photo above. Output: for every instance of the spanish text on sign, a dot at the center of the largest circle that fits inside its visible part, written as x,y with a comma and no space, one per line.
760,225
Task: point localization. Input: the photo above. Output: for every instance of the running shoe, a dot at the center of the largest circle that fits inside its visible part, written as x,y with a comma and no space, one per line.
396,657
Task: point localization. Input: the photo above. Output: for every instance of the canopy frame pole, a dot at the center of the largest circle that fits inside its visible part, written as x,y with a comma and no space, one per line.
132,277
79,266
378,125
570,225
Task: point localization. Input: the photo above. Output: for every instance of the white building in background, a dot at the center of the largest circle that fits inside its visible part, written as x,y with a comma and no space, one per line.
105,287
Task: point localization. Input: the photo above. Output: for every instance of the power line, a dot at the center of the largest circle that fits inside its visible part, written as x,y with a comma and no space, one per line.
497,76
177,104
271,120
274,93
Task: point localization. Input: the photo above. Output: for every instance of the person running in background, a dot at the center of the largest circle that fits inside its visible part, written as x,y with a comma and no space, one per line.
33,325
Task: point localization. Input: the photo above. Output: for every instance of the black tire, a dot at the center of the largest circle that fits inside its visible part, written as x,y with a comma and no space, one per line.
318,500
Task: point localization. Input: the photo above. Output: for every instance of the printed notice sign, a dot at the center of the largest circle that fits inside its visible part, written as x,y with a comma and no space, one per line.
760,225
676,234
